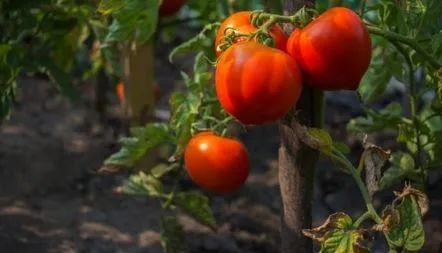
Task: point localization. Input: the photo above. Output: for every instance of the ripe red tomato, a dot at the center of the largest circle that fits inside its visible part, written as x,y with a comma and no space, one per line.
257,84
169,7
216,163
333,51
241,22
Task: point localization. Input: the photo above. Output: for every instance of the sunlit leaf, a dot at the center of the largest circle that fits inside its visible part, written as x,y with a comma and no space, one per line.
136,147
142,185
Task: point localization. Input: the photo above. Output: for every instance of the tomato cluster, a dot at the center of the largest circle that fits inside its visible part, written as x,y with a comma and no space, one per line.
259,84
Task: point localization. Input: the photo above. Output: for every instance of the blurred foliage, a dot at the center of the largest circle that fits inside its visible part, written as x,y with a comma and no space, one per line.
419,127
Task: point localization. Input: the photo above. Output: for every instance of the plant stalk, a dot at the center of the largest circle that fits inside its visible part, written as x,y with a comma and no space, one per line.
407,41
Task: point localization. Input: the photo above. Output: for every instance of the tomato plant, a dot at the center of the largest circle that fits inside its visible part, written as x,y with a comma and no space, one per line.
361,46
240,22
209,167
257,98
334,50
331,49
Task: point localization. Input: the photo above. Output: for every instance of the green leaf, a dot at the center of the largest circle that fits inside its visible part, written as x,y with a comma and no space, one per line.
172,235
325,142
386,63
62,79
388,118
402,167
135,19
134,148
197,206
4,50
409,232
341,147
162,169
107,7
343,242
185,47
144,185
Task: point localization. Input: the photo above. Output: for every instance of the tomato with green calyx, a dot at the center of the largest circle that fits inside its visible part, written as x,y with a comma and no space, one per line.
241,22
257,84
169,7
216,163
333,51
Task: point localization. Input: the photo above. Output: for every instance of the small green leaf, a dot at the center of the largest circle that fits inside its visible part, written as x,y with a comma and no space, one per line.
185,47
134,148
162,169
197,206
409,233
341,147
144,185
107,7
388,118
402,167
172,235
325,142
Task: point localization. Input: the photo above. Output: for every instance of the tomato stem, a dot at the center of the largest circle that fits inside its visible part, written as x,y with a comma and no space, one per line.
413,99
412,43
361,219
340,158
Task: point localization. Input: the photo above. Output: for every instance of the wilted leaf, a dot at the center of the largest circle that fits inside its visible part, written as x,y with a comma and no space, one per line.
344,242
197,206
337,235
172,235
390,218
409,232
375,158
336,221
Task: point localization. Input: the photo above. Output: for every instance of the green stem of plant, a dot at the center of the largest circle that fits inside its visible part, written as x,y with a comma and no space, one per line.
338,156
170,197
413,99
361,219
407,41
362,10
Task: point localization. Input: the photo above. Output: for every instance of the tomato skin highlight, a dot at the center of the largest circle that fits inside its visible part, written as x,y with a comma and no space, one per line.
215,163
333,51
241,22
170,7
257,84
